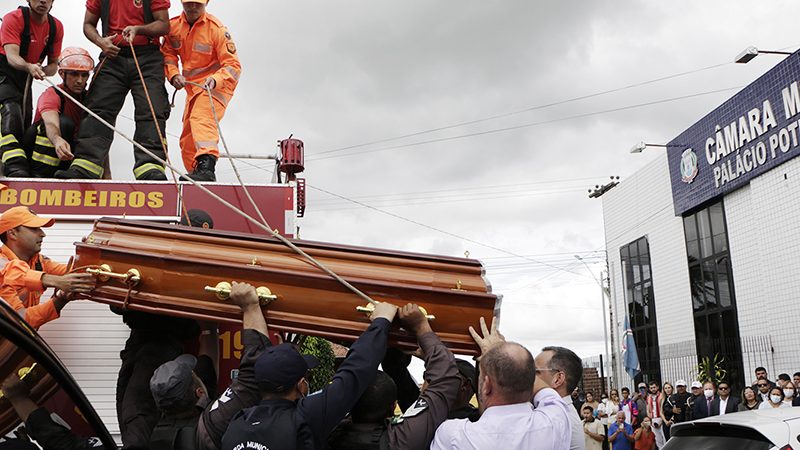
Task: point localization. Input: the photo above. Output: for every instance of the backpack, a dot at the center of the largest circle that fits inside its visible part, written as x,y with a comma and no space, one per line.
25,37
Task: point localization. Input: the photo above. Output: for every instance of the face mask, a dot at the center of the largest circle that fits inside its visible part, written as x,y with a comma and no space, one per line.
788,393
708,393
775,398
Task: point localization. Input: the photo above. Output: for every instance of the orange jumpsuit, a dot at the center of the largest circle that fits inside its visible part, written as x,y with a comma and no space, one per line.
22,285
204,50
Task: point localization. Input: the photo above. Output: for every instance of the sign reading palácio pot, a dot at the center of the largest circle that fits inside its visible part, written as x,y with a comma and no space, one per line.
751,133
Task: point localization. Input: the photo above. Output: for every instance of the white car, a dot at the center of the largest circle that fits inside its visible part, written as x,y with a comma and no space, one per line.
770,429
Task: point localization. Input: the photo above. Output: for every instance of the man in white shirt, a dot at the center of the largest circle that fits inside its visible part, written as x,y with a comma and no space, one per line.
562,370
506,382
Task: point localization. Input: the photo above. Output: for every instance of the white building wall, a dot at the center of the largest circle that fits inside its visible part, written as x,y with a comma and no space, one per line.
641,205
764,234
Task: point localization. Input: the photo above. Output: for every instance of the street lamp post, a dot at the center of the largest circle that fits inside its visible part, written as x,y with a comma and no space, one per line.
606,384
751,52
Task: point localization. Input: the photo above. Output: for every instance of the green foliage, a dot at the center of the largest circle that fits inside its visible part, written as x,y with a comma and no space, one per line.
712,370
323,374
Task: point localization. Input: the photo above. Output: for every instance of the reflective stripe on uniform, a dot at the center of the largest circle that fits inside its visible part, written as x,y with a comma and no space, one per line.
45,159
141,170
10,154
205,144
201,70
8,139
44,141
202,48
234,73
88,165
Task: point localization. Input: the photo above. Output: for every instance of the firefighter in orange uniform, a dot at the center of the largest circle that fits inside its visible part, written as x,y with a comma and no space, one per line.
207,55
26,273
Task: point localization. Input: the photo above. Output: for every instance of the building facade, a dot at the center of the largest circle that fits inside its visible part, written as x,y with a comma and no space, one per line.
703,242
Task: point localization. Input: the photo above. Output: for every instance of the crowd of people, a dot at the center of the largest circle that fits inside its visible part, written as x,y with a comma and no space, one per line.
141,48
642,421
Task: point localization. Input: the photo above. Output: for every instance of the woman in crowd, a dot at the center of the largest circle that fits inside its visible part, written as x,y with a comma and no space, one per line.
644,438
750,400
775,399
590,401
789,392
666,409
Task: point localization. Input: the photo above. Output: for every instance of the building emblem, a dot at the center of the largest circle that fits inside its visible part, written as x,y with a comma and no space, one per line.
689,166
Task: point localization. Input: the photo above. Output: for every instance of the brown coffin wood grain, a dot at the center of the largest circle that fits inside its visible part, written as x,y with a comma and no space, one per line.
176,263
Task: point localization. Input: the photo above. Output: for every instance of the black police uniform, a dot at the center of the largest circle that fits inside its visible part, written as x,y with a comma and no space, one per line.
242,393
109,88
415,429
305,424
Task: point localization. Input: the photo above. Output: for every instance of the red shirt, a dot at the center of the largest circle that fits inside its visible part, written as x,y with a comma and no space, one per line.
51,101
11,33
122,13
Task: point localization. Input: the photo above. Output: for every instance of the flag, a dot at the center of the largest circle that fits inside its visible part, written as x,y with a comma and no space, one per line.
630,358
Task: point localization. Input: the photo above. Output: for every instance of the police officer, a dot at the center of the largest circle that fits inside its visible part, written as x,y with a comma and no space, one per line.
29,36
288,417
128,26
50,139
368,428
154,340
182,392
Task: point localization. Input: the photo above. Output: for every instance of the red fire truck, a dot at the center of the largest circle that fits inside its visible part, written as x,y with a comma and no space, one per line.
88,337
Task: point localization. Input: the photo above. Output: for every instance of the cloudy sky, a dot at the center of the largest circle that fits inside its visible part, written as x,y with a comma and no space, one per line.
478,125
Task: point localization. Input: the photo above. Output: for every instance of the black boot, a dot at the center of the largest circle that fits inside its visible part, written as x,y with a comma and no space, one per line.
153,175
17,168
204,167
75,173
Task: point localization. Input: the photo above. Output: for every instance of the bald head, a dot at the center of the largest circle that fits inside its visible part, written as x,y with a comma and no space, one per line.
511,367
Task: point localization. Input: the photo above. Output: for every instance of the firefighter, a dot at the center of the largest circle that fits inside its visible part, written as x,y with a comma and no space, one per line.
50,139
207,55
26,273
128,26
29,36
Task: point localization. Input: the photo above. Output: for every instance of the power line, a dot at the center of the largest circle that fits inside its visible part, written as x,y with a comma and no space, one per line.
439,230
464,189
419,201
529,109
528,125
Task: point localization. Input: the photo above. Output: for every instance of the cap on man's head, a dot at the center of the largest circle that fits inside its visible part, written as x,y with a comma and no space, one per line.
680,383
468,371
642,385
23,216
172,382
197,218
281,366
697,385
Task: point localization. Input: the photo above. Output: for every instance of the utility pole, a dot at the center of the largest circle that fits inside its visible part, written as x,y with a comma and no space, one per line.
605,287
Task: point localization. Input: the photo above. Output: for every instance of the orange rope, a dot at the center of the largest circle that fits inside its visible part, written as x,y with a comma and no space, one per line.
184,211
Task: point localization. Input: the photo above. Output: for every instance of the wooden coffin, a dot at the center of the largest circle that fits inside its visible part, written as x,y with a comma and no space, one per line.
177,263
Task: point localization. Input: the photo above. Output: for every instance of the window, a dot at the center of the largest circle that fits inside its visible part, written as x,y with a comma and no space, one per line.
641,305
713,300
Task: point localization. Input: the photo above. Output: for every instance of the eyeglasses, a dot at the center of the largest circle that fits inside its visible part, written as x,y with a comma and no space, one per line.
762,385
724,388
546,369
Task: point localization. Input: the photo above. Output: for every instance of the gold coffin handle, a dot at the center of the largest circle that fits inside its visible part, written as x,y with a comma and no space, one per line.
223,292
104,273
369,308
